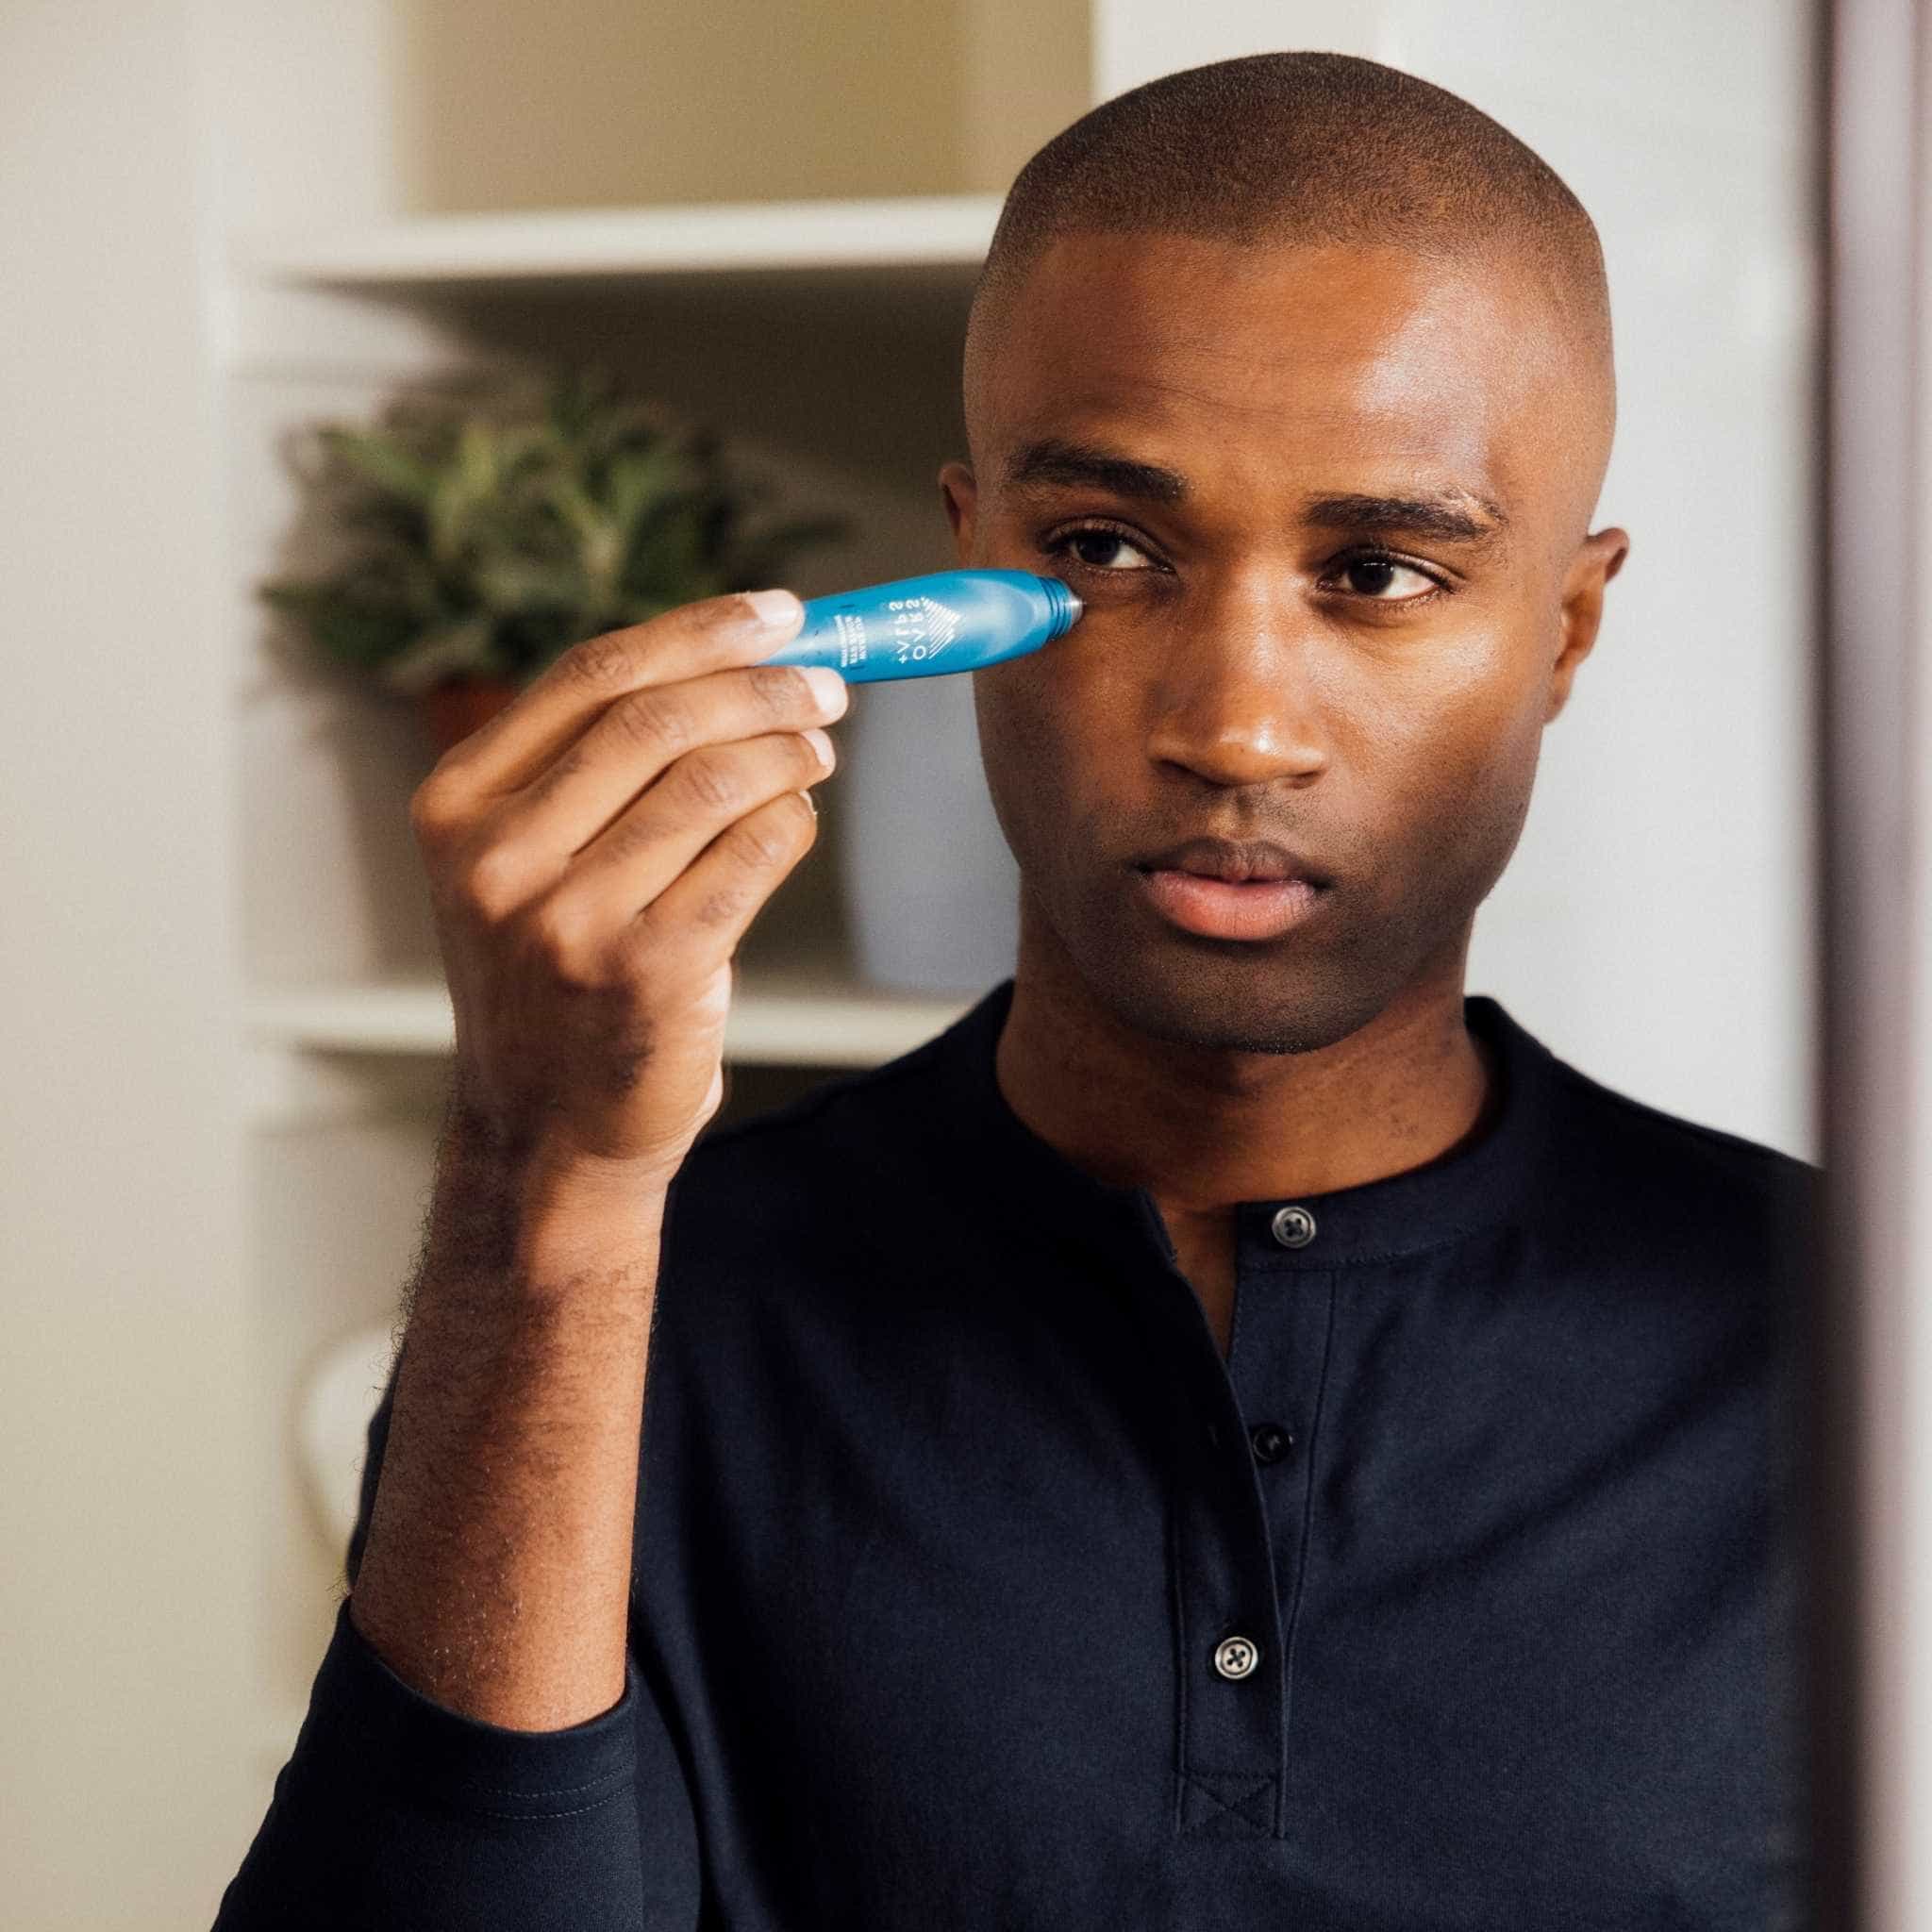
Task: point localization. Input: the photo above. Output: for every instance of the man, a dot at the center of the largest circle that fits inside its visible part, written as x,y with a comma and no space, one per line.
1234,1432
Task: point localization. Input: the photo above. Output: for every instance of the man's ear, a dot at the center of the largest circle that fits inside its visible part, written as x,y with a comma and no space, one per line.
1597,561
961,494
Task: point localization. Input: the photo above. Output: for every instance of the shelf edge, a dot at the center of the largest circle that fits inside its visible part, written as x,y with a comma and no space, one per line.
777,1027
907,232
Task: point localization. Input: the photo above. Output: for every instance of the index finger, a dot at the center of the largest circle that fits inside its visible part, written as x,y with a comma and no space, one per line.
557,707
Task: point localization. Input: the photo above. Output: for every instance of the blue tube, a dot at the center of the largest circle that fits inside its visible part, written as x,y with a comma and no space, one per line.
953,619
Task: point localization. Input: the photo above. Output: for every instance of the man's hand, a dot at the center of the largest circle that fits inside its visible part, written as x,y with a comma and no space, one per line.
595,853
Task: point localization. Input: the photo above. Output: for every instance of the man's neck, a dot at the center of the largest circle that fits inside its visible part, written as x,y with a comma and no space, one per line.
1205,1126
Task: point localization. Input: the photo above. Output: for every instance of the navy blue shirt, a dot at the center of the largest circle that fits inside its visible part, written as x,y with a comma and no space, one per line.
974,1586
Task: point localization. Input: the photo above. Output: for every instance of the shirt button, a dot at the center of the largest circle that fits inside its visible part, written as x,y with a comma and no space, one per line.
1235,1657
1270,1441
1293,1227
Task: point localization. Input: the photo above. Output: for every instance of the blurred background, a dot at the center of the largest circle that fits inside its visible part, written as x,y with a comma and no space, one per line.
225,1037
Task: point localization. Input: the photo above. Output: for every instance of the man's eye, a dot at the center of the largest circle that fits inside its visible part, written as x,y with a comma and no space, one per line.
1375,573
1092,545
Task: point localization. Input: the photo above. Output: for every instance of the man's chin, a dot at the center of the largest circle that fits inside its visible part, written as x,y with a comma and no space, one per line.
1219,998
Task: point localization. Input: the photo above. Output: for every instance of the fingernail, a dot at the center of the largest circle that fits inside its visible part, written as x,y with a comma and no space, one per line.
774,607
821,742
810,801
827,684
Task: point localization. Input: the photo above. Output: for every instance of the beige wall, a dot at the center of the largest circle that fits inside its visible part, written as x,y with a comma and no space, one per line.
126,1538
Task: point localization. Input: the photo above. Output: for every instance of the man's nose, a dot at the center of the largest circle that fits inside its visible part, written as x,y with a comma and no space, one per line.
1237,695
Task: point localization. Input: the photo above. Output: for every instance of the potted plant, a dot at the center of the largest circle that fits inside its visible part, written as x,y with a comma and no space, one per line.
494,529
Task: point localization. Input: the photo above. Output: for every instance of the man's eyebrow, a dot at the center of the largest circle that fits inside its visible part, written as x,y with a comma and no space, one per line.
1443,518
1452,516
1052,459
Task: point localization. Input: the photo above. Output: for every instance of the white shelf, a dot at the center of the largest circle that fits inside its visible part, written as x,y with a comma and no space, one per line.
773,1022
908,231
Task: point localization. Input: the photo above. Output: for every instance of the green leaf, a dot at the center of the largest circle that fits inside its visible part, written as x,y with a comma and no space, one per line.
384,460
508,584
520,449
457,650
346,622
598,545
387,520
641,480
476,467
668,553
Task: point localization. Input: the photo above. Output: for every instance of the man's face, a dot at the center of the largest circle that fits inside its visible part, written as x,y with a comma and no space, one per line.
1252,663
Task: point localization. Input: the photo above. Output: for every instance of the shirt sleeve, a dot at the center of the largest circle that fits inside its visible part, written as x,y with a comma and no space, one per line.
393,1811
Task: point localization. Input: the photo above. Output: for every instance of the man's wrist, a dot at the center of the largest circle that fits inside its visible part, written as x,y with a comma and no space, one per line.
537,1223
584,1225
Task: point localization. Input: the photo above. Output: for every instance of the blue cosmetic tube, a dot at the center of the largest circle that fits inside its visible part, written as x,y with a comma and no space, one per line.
953,619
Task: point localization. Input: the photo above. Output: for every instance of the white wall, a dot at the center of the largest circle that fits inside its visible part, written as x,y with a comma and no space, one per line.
125,1586
1655,926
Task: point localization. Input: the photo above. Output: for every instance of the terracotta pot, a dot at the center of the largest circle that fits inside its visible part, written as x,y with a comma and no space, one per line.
453,711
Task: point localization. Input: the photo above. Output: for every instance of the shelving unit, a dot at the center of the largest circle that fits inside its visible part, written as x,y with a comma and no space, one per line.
817,327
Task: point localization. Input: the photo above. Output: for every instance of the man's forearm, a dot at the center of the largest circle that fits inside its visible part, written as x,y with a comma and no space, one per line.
496,1576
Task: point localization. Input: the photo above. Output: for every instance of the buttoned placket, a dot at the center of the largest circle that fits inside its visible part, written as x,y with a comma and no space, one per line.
1241,1498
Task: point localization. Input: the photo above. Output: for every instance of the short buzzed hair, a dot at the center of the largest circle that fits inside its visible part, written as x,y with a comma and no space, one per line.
1311,149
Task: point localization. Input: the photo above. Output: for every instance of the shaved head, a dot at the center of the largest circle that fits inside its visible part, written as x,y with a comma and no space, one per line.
1317,150
1297,370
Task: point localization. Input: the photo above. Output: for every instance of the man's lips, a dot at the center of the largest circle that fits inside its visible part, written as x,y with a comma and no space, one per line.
1237,861
1228,909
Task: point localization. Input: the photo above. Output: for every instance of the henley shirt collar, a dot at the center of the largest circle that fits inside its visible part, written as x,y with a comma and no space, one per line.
1473,1187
